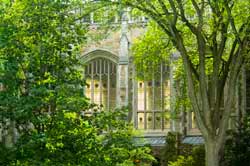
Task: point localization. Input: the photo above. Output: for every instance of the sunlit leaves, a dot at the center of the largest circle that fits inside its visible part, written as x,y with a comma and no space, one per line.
70,139
150,51
40,42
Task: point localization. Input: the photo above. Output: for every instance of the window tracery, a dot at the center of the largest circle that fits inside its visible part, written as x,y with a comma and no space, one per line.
100,75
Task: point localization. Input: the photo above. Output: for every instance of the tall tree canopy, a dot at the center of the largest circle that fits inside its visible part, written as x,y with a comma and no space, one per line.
39,47
212,37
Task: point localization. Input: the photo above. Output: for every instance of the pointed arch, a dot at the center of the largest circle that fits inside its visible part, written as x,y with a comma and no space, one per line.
100,53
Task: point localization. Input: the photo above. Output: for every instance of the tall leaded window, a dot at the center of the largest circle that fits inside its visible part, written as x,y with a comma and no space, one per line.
100,75
153,98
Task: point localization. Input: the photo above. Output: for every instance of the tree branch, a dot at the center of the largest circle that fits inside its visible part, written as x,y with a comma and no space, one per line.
231,21
174,11
184,19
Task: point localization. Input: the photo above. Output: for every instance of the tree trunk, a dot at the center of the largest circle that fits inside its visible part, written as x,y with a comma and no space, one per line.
212,153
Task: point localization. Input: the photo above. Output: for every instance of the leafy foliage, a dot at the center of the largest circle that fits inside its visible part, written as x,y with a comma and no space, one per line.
39,57
42,95
170,151
213,40
183,161
237,150
150,51
70,139
176,153
198,154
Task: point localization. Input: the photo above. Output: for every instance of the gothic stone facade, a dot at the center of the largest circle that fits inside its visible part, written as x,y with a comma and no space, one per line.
112,83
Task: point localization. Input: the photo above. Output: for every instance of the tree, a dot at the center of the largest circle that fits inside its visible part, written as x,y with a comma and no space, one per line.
36,57
39,57
146,47
216,33
43,92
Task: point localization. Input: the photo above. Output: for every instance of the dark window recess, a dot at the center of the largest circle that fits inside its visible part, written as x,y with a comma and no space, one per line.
158,118
149,119
140,84
88,86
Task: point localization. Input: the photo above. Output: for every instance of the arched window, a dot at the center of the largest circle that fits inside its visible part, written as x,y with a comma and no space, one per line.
101,77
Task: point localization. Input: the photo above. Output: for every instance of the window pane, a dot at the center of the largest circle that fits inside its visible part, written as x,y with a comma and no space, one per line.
167,120
158,117
158,96
149,96
88,89
112,97
140,96
96,91
149,121
193,121
140,120
167,95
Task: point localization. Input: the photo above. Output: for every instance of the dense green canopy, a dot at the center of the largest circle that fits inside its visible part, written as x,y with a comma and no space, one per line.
42,92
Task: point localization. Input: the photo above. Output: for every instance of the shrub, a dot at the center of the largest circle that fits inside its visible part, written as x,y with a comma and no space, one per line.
170,151
237,149
69,139
183,161
198,155
174,151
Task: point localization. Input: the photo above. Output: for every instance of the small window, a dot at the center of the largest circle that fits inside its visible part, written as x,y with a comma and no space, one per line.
88,86
150,83
140,119
140,84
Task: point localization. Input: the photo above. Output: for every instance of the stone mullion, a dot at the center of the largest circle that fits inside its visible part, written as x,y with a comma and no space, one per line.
108,86
84,78
162,98
135,97
153,101
117,89
145,103
100,80
92,83
126,85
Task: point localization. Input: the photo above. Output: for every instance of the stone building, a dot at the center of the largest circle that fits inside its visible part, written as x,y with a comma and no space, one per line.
112,83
